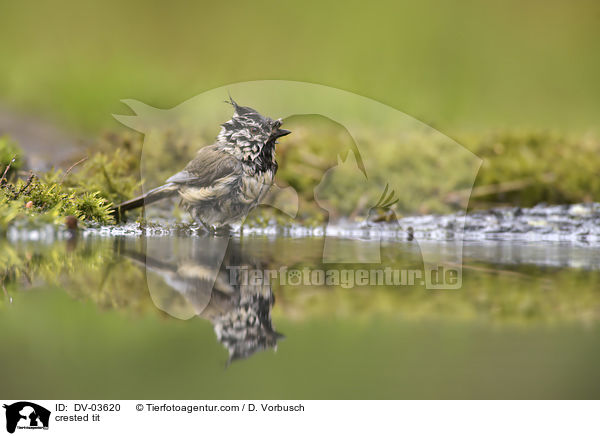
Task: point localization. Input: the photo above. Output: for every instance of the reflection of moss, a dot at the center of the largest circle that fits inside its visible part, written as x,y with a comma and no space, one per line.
89,270
517,296
86,269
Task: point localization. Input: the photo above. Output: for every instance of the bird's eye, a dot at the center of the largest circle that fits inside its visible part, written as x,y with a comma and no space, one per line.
254,130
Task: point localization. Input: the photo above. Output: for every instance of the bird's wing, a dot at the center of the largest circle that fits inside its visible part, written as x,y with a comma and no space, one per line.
209,175
209,165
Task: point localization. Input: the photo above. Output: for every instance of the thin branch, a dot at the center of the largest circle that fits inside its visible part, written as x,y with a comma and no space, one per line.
3,178
25,186
463,196
71,167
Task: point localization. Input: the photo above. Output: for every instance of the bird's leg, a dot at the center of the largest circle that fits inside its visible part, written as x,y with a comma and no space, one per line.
203,226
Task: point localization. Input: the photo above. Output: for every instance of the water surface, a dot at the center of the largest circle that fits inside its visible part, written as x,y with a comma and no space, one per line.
138,316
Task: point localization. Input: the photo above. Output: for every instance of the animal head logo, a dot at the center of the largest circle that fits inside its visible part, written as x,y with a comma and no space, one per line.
396,162
26,415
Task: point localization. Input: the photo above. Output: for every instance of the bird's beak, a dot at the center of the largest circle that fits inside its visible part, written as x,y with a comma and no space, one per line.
280,132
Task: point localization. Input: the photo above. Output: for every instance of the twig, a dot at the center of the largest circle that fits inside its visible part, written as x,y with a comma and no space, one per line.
3,178
71,167
25,186
462,196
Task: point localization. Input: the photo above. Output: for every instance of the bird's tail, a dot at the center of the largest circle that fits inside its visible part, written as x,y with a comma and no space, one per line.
156,194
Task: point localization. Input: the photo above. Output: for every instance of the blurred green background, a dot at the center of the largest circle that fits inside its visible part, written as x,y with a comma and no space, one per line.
458,66
516,82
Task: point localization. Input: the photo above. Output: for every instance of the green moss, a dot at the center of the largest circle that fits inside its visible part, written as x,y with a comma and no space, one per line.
32,201
519,168
112,169
79,265
527,168
86,191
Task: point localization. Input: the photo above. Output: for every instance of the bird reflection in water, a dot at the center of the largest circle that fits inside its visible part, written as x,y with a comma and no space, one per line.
204,277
